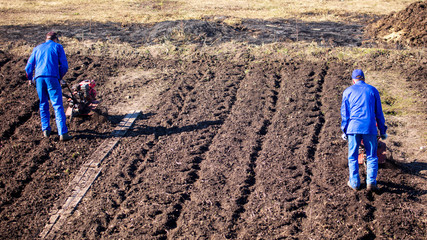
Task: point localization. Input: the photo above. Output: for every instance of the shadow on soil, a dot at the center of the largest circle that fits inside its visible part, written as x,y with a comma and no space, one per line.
399,189
165,131
413,168
136,131
211,31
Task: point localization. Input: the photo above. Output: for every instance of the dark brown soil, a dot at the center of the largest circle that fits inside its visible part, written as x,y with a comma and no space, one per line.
233,149
207,32
410,23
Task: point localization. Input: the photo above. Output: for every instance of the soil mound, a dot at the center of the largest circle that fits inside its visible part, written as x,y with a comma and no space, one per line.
407,27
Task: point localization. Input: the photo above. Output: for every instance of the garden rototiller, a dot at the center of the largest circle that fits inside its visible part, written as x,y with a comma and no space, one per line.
381,152
82,101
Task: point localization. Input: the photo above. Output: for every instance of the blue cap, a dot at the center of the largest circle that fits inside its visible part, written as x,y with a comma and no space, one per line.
358,74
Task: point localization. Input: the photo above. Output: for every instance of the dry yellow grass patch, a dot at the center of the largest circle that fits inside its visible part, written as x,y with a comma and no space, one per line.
147,11
149,85
403,112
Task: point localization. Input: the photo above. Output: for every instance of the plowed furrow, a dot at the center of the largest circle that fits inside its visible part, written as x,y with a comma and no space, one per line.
17,172
246,190
329,190
166,149
17,98
277,205
329,183
34,169
228,169
397,191
20,180
23,112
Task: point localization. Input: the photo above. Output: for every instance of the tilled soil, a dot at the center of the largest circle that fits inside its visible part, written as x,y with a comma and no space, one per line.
231,149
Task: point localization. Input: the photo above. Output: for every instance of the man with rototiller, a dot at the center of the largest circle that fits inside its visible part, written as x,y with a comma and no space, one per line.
361,114
45,68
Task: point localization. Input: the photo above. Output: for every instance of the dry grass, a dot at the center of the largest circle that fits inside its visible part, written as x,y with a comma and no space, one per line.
403,112
149,83
19,12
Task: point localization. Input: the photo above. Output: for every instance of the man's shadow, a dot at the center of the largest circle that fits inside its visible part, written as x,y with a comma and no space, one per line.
413,168
157,131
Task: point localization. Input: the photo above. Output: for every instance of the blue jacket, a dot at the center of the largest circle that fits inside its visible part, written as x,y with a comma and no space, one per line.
361,111
47,60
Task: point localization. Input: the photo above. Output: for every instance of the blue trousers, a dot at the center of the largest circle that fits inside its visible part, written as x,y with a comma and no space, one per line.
50,88
370,142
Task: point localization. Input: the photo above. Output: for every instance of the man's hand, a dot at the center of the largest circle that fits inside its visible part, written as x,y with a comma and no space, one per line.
31,82
384,136
62,82
344,136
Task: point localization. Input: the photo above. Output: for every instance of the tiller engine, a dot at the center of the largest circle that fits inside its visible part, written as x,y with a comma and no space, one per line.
82,100
381,153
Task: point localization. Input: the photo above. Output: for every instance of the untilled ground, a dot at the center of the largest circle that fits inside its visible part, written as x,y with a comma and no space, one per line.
226,148
208,32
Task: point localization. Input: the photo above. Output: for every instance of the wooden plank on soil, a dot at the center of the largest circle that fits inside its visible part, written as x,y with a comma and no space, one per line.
85,177
58,219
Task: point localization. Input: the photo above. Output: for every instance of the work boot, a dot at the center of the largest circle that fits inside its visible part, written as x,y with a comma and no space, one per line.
372,187
46,133
65,137
348,184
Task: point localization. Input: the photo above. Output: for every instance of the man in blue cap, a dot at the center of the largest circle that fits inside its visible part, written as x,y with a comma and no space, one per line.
361,114
45,68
